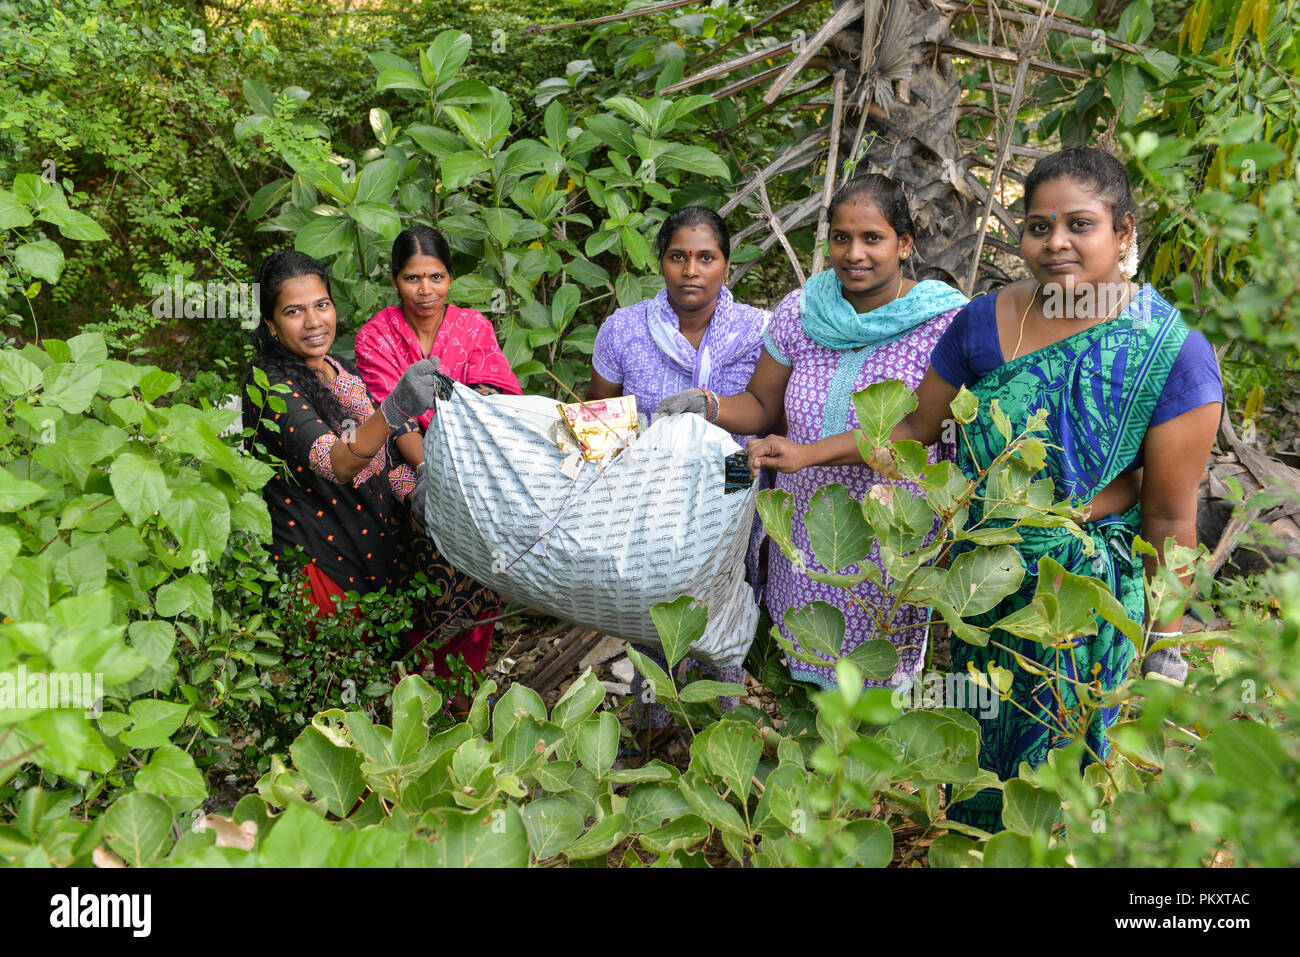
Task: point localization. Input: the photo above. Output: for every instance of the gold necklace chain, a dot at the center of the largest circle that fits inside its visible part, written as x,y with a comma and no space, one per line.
1025,314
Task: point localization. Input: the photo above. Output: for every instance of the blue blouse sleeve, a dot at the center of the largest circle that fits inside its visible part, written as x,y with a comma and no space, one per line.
969,349
1193,381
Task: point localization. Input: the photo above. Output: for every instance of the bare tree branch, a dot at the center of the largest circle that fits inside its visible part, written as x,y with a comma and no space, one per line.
828,186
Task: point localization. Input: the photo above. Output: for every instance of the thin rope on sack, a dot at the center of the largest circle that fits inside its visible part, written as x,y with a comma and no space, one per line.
445,393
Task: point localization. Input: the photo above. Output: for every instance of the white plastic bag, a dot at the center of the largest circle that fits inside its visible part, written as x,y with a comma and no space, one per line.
649,525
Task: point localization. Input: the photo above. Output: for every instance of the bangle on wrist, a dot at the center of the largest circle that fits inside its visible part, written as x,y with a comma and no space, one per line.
360,455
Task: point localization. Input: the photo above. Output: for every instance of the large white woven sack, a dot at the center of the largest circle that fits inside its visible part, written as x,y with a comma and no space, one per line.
650,525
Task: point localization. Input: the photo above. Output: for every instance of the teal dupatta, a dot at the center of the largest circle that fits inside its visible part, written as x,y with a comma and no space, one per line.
1099,387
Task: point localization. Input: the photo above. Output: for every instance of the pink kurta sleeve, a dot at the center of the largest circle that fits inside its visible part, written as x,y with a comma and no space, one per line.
486,364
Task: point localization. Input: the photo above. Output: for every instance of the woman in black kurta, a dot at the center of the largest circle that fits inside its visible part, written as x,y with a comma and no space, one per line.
341,492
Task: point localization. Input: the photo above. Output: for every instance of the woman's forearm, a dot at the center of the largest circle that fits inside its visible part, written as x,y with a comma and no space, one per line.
745,414
411,447
1156,529
365,441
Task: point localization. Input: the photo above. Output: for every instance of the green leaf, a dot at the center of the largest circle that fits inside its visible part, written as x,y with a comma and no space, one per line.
268,196
444,56
41,258
880,407
935,748
13,214
552,824
576,704
660,683
598,743
372,847
200,518
710,805
79,226
18,375
865,843
695,159
189,593
603,836
140,486
705,690
171,772
88,347
333,772
965,406
25,590
818,627
153,639
1137,742
586,272
651,806
462,167
137,827
1007,849
878,659
377,218
837,530
1249,756
299,838
70,386
731,750
680,833
953,850
153,722
325,236
490,837
378,181
518,701
553,776
16,494
156,383
680,624
1026,809
976,581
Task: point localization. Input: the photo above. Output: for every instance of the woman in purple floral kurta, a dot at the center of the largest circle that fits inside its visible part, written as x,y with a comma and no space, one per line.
856,324
817,406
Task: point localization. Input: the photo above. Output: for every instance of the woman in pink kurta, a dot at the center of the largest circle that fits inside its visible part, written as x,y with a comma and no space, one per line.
426,325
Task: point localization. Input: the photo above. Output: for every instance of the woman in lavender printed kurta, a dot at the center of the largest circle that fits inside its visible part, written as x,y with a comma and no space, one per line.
817,406
692,334
857,323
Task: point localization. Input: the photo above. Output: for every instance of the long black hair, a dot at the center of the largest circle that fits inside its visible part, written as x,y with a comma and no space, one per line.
1093,168
272,357
885,193
693,216
420,240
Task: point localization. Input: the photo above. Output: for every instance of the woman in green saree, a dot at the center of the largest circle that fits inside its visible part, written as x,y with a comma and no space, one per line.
1133,401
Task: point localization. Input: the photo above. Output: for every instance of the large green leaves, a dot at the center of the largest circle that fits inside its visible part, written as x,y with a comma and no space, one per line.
975,582
332,770
138,826
680,624
839,533
880,407
140,486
